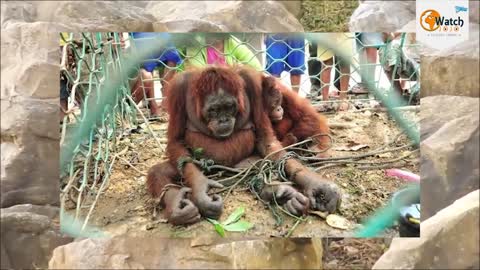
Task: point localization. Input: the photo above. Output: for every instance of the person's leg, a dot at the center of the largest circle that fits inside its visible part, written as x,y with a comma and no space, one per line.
296,60
167,74
139,92
375,41
361,50
276,52
395,82
63,97
325,77
314,68
344,81
295,80
63,109
371,57
171,59
336,75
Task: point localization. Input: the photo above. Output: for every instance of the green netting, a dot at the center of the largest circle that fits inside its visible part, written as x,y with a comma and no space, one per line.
101,68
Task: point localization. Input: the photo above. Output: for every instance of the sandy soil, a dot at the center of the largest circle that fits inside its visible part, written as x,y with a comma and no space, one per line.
124,207
351,253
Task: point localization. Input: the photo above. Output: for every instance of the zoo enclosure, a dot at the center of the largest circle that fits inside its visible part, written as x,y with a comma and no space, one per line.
94,60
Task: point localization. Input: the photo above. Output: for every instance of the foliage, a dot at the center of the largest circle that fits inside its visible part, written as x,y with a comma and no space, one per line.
232,223
327,16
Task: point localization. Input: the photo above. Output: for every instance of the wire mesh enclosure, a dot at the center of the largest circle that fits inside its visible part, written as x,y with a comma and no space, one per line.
112,83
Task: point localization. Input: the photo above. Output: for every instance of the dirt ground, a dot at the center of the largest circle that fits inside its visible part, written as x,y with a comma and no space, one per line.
125,207
351,253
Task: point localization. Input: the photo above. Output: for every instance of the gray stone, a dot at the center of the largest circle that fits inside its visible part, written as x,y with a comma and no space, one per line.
30,152
410,27
474,9
17,11
167,253
145,16
103,16
28,239
449,240
450,150
30,59
377,16
51,212
453,71
228,16
4,260
294,7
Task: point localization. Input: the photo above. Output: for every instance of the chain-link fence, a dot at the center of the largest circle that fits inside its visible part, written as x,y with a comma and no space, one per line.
315,71
111,82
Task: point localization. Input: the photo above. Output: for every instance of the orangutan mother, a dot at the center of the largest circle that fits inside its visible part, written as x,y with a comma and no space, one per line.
219,109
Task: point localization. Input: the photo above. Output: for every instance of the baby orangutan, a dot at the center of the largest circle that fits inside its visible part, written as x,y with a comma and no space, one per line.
293,118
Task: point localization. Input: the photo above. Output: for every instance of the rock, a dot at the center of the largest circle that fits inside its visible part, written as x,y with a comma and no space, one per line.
167,253
450,150
167,16
4,260
453,71
30,152
99,16
18,11
449,240
45,210
410,27
188,25
28,239
80,16
294,7
474,9
35,47
369,14
227,16
29,99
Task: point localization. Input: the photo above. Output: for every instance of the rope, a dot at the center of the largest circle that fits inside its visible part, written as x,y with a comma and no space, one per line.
100,68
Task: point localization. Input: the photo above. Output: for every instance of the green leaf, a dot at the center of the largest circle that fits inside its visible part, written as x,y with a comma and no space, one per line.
213,221
240,226
220,230
236,215
218,227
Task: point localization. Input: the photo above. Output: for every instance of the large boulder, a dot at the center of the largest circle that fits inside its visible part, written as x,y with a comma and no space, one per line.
450,150
123,252
377,16
30,60
29,235
449,240
30,152
453,71
167,16
29,99
227,16
104,16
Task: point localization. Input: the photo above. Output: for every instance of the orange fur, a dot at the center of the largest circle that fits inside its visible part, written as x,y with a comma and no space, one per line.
213,78
300,118
239,81
227,152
